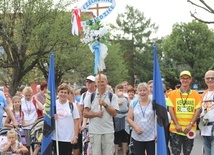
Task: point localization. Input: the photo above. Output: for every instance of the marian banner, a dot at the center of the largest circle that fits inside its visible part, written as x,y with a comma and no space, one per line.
94,34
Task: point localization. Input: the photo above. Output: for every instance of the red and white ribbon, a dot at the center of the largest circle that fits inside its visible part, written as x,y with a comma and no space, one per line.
76,23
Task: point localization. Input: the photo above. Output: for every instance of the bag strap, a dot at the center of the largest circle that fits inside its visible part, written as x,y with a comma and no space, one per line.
134,103
71,106
110,95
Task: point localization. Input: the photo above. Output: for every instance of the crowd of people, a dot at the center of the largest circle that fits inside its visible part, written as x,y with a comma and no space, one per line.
114,117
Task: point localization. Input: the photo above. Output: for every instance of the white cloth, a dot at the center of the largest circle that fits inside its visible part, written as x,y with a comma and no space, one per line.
104,124
29,110
65,122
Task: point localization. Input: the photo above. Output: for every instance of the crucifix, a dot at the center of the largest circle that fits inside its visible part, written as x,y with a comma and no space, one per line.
97,8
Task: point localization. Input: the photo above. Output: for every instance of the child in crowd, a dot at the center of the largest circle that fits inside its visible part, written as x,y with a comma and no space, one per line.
13,145
17,111
121,136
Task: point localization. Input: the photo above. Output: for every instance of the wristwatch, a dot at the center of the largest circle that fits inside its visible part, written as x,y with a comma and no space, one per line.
76,137
192,123
106,105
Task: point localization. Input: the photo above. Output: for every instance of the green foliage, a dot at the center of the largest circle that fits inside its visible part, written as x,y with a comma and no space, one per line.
29,31
94,24
189,46
134,37
116,69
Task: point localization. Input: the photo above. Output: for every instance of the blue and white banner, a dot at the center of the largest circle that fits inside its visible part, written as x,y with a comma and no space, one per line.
90,3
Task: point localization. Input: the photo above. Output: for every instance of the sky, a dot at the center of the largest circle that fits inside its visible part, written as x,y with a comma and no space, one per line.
164,13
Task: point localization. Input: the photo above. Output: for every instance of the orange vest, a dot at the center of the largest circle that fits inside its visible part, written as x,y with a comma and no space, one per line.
184,105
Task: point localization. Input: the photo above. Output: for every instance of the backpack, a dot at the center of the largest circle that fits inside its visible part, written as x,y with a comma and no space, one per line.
39,112
71,106
110,95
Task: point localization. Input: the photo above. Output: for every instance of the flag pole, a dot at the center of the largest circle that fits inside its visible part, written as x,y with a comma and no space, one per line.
99,87
156,133
57,142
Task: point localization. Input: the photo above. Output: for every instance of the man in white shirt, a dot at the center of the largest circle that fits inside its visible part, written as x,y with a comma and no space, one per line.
100,112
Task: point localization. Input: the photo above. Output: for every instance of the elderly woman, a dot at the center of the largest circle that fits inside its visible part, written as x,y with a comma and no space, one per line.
141,118
30,114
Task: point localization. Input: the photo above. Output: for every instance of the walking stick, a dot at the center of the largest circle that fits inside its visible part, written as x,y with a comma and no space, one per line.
99,87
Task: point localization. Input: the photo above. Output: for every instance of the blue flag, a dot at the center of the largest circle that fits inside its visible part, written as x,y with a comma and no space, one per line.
50,110
159,103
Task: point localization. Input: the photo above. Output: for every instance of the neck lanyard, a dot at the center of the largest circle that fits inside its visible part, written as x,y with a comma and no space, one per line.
143,112
184,101
28,109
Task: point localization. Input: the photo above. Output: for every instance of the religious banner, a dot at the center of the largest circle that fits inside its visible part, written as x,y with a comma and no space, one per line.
77,24
89,3
95,35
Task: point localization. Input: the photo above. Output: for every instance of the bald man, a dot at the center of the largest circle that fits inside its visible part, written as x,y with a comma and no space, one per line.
208,113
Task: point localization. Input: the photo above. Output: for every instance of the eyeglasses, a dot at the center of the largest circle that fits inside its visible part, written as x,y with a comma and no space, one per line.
209,78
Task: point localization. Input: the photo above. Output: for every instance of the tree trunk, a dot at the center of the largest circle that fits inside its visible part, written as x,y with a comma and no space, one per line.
15,81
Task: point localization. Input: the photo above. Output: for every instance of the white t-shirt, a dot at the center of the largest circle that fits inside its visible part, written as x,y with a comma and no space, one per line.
65,122
104,124
29,110
210,114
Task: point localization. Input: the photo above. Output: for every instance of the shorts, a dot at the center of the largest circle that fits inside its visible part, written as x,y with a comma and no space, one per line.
65,148
179,141
78,145
102,144
121,137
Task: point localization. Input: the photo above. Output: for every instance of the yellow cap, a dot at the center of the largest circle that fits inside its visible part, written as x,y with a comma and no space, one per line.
185,73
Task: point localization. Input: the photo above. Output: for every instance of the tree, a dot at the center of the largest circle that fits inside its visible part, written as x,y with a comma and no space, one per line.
189,47
74,61
74,66
134,36
205,7
29,30
116,69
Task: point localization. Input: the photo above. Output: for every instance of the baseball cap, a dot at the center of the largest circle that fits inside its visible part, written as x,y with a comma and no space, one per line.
91,78
185,73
